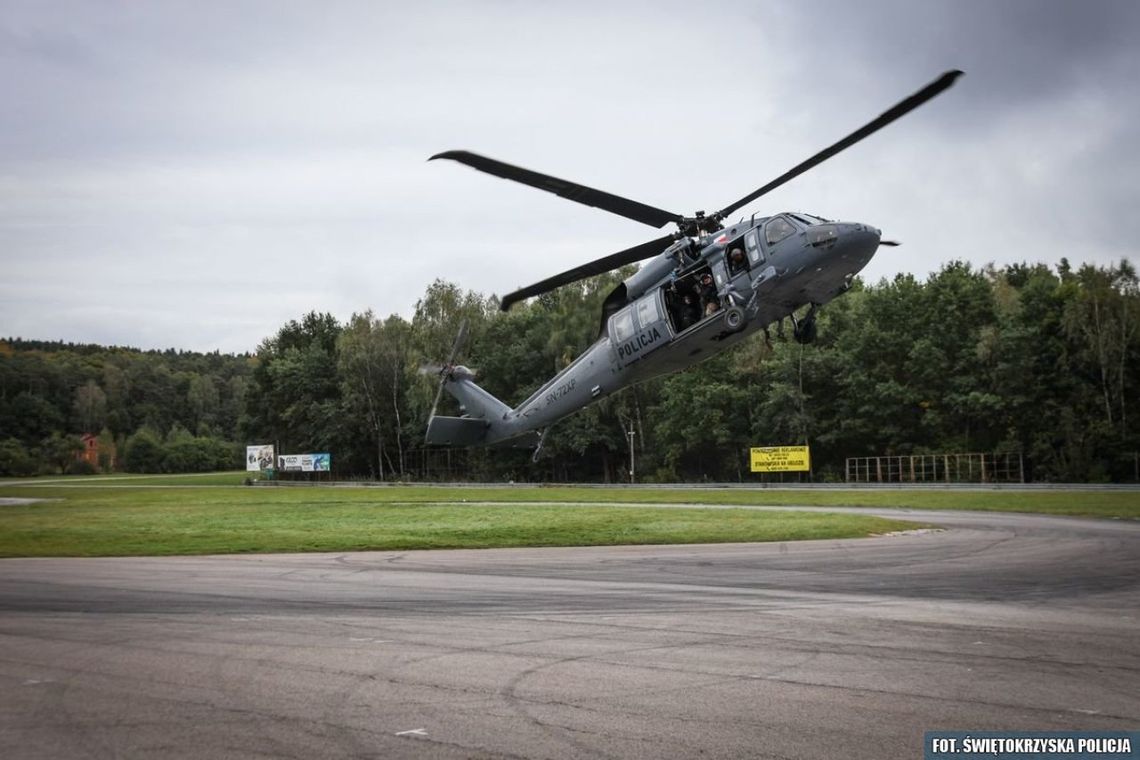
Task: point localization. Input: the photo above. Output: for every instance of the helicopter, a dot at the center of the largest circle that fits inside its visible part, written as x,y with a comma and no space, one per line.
743,276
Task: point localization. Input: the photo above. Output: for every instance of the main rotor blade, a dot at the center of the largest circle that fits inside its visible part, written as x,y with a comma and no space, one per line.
901,109
639,212
597,266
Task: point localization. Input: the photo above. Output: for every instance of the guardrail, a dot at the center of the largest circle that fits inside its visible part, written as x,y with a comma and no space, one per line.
723,486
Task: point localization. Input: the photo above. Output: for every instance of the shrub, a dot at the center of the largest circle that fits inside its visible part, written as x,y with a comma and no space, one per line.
80,467
188,455
16,460
198,455
143,452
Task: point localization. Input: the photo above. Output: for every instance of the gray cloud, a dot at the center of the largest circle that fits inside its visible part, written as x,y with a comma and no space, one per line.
183,175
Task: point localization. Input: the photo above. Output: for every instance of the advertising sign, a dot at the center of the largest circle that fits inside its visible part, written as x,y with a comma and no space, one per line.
781,459
304,462
258,457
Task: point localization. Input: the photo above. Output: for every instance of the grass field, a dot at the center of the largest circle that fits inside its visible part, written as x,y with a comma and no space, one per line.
157,515
101,521
1076,503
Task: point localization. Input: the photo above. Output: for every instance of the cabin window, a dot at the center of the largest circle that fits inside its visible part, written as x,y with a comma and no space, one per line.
778,229
647,311
623,325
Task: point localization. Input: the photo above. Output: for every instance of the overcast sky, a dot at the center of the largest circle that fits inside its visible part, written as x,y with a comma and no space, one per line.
193,175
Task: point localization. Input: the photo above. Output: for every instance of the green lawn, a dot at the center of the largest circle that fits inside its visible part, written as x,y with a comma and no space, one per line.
105,521
1111,504
133,515
232,478
1090,503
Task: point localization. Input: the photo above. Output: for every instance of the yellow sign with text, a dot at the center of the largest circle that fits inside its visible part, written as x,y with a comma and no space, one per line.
781,459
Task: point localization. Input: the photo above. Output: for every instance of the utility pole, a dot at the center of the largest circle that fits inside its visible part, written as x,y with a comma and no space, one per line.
632,468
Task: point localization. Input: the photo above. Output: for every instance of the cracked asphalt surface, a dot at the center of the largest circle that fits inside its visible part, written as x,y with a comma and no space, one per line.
801,650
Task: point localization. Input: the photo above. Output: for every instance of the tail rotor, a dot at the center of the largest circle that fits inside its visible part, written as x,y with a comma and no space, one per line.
444,370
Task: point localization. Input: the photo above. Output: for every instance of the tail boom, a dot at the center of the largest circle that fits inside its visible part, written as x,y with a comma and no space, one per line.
485,421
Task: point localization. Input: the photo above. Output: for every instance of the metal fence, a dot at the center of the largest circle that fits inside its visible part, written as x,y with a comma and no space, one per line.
937,468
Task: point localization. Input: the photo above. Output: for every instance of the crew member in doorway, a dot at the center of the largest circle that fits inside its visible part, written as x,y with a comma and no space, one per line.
690,311
709,300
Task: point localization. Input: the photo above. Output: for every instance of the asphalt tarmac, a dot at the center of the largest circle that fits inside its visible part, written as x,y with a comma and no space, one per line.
830,649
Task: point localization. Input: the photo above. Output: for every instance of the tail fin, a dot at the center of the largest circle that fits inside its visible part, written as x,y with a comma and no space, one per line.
456,431
484,421
480,409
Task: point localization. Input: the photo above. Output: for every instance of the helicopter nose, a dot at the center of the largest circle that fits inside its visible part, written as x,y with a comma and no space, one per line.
857,242
864,235
852,241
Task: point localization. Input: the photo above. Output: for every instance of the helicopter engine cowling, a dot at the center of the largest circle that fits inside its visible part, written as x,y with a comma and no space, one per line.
656,269
650,274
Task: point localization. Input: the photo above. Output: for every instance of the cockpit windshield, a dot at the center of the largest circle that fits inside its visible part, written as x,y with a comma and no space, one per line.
809,219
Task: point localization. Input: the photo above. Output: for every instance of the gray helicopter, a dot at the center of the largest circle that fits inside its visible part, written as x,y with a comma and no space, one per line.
707,287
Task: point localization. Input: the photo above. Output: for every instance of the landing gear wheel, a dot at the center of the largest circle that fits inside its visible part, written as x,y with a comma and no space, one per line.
805,331
734,319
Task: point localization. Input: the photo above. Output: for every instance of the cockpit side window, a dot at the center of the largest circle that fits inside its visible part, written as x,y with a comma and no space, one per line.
778,229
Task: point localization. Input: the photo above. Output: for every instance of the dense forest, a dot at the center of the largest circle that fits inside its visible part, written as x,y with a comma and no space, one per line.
1040,362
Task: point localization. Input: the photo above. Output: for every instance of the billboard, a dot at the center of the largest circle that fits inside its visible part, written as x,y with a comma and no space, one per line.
781,459
304,462
258,457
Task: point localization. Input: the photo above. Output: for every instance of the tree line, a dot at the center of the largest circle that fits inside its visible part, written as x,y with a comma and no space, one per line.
1027,359
152,411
